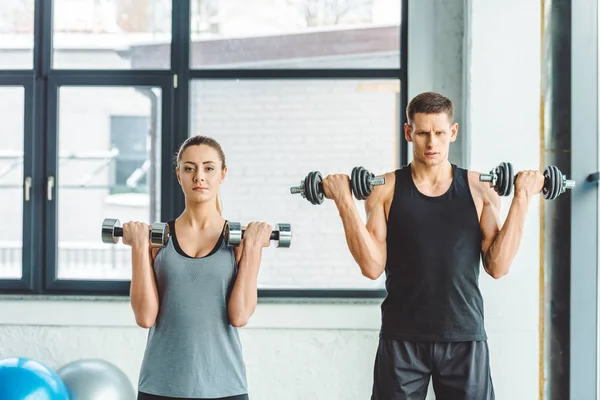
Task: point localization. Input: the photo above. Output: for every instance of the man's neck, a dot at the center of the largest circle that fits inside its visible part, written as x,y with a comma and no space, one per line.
431,174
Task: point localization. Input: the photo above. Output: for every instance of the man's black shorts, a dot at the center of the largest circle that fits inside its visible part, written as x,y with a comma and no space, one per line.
459,370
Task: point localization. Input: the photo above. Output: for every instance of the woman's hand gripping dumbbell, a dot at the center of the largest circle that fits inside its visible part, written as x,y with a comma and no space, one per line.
158,232
282,233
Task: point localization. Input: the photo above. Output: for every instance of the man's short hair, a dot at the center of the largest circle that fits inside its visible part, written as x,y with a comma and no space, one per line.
429,103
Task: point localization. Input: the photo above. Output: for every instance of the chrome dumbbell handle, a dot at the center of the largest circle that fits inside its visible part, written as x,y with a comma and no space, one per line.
298,189
568,184
378,180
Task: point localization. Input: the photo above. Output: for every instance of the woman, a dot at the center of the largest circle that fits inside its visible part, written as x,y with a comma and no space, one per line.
196,291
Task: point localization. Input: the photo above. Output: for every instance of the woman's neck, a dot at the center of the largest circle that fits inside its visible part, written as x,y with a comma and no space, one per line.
200,216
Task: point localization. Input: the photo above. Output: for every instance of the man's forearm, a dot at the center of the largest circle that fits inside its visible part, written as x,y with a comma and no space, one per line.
502,252
361,243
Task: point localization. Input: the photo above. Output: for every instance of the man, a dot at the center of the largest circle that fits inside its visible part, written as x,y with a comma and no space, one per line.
428,228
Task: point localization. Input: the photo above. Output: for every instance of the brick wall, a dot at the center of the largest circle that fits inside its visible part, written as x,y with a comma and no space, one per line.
274,133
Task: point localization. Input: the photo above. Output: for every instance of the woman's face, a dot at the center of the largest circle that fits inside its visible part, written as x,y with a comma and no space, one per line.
200,173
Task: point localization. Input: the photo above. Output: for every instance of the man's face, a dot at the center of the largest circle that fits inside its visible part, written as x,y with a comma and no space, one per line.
431,135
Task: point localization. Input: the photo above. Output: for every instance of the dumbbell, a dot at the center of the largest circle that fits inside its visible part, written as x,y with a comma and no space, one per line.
502,179
112,230
282,233
361,183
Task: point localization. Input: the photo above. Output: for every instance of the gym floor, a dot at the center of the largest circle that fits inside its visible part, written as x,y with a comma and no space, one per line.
118,86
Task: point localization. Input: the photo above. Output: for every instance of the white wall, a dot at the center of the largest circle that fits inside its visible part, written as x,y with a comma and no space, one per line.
505,92
294,351
273,134
325,350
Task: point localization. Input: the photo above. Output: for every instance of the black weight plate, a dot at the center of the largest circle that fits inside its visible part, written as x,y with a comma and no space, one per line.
311,188
307,186
502,180
499,180
511,178
551,182
367,188
547,183
557,182
354,181
317,188
552,186
363,180
506,186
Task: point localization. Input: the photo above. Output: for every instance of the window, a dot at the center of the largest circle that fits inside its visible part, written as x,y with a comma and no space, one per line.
295,34
131,135
16,34
12,189
92,127
90,34
90,164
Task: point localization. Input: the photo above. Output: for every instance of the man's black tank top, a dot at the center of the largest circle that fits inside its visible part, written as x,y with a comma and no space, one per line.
433,262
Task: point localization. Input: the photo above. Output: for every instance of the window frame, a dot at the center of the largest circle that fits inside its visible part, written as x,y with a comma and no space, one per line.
42,83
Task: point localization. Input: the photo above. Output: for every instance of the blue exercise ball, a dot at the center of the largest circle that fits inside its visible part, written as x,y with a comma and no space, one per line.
27,379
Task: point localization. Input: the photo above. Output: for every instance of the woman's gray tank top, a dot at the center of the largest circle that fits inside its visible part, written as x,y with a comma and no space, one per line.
192,350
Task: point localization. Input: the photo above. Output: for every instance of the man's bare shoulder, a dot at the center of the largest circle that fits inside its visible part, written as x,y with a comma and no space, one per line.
482,191
383,193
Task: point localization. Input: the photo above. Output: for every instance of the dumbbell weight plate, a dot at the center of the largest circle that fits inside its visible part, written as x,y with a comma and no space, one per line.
359,182
313,188
108,230
354,182
159,234
560,180
502,179
552,182
282,232
112,231
549,183
499,184
233,233
285,234
557,182
364,188
510,173
505,179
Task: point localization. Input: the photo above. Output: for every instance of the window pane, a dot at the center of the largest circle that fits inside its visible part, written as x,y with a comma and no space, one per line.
273,134
91,34
16,34
11,181
108,167
295,34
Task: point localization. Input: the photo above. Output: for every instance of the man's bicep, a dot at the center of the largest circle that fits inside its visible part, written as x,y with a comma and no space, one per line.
490,222
376,221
